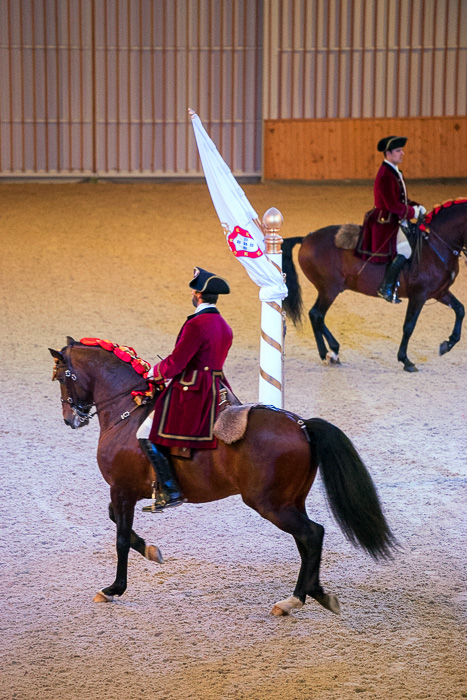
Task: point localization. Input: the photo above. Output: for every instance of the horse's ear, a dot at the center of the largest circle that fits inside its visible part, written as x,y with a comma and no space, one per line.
57,355
70,340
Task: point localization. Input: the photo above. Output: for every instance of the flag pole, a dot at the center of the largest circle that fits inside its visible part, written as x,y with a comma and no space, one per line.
271,360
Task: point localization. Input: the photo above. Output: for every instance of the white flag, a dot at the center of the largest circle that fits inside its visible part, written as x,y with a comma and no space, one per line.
237,217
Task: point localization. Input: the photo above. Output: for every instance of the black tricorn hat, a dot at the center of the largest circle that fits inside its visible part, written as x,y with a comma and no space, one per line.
389,143
208,282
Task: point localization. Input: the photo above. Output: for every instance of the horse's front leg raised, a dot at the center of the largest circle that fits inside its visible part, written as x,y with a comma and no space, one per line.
151,551
124,510
414,308
450,300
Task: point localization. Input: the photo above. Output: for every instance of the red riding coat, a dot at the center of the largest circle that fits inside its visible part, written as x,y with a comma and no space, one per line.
187,408
378,239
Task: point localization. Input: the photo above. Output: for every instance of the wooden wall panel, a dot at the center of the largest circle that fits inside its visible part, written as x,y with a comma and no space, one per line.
339,149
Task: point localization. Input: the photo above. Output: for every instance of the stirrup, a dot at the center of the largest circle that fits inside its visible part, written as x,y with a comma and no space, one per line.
388,295
158,501
158,506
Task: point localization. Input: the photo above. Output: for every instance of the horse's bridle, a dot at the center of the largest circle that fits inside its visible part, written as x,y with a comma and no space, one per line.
456,251
80,411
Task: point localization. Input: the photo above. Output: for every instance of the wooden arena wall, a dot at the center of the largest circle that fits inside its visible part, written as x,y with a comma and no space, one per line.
340,149
102,87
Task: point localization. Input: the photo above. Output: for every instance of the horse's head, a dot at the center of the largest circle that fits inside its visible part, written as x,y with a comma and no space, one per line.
76,397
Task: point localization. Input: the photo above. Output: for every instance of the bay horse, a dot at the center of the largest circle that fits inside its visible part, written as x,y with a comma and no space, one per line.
332,270
273,467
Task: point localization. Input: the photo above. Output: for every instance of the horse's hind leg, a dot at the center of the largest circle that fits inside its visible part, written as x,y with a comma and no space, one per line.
450,300
137,543
308,537
320,330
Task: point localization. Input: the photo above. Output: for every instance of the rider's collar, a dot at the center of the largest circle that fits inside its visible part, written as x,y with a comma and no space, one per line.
204,305
392,165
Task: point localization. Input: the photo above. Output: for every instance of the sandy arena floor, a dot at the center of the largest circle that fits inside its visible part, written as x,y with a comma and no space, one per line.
114,261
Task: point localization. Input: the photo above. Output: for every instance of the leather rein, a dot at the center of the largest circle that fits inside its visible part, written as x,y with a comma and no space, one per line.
456,251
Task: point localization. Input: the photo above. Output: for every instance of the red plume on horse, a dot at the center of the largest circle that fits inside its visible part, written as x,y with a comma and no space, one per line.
272,466
333,269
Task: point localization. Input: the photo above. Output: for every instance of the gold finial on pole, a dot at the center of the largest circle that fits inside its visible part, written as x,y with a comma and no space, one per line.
272,222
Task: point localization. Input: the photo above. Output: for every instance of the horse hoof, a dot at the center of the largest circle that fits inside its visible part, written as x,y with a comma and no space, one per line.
278,612
153,553
101,597
444,348
284,607
410,368
330,602
332,358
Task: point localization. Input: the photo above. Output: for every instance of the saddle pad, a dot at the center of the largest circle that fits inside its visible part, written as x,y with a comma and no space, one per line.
231,424
347,236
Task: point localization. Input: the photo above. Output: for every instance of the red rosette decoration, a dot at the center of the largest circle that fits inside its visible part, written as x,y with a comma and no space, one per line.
107,345
140,366
122,353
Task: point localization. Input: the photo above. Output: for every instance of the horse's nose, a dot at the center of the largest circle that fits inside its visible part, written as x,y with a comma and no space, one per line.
68,423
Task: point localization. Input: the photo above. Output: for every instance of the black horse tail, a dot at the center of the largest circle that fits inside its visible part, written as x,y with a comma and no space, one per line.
293,304
350,490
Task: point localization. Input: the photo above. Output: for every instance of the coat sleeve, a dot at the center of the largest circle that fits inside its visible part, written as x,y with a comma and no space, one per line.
188,344
389,192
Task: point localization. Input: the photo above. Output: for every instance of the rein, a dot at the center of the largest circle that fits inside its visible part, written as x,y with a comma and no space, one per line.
455,251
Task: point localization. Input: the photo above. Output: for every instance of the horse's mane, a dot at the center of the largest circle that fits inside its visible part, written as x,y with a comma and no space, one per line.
438,207
123,352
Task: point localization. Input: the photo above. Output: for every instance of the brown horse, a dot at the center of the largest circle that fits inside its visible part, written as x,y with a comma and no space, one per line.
273,467
332,270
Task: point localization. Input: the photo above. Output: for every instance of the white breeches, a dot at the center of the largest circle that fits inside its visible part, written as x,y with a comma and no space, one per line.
402,245
145,427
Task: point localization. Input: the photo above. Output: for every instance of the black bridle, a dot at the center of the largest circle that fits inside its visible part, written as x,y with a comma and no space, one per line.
82,410
457,251
79,409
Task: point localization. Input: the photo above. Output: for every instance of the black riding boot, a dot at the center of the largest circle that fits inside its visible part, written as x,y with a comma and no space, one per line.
169,491
388,286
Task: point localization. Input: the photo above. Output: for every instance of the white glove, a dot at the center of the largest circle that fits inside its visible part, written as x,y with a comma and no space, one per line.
419,210
151,373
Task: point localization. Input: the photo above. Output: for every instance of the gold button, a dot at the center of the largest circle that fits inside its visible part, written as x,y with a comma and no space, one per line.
206,369
185,388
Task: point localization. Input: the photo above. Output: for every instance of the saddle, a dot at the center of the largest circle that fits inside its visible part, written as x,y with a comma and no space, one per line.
227,399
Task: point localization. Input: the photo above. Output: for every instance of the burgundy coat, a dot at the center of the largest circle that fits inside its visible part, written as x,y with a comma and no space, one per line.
378,239
186,409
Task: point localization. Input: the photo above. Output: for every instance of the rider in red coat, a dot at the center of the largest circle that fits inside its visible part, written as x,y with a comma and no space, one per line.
382,239
186,409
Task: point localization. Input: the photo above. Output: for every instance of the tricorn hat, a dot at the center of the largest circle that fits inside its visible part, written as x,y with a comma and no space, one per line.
389,143
208,282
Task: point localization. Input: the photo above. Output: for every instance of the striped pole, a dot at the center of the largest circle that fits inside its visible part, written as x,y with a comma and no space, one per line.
271,357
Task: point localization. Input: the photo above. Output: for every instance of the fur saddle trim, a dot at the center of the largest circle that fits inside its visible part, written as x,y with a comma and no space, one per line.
347,236
231,423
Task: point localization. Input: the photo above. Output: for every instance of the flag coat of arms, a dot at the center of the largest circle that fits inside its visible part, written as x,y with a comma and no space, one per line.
238,218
